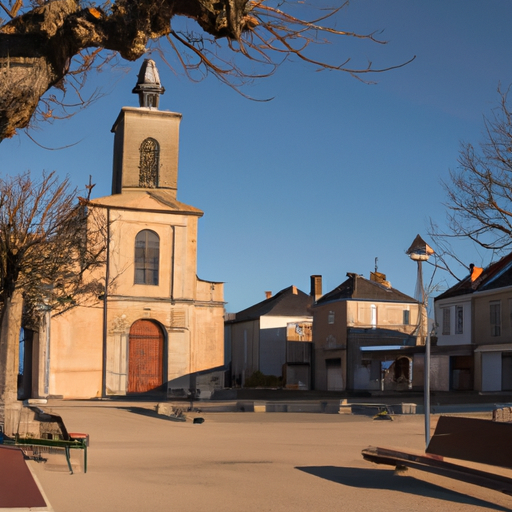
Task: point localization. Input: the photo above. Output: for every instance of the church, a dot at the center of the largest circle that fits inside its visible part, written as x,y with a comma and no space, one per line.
157,327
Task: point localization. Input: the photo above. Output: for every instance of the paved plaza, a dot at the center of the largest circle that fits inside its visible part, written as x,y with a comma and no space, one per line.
244,462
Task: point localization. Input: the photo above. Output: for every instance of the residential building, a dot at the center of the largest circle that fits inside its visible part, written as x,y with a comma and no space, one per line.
365,336
474,320
451,360
273,337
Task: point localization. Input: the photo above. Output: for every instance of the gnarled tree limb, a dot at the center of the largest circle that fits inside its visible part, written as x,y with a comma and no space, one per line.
38,45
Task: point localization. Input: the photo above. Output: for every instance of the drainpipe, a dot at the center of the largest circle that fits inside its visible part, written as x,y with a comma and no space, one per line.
173,263
46,306
47,342
105,311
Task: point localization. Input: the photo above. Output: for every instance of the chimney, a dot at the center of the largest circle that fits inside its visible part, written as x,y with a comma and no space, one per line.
354,277
316,287
268,295
294,290
378,277
475,272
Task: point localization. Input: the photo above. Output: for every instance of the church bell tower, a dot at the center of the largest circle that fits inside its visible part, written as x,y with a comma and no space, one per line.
146,140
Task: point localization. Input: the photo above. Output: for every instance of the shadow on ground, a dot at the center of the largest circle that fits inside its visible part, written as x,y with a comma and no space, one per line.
150,413
387,479
182,415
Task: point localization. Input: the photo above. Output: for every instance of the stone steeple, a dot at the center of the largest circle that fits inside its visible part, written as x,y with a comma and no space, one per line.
148,85
146,140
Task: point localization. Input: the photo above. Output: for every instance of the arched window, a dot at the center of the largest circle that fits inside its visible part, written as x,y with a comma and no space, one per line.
149,163
147,256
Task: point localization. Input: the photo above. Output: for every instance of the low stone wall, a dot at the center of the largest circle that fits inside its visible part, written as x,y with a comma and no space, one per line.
502,414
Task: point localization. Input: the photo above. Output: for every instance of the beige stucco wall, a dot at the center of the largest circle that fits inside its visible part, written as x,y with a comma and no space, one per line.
481,316
487,364
76,353
207,338
193,338
389,315
208,291
189,311
178,254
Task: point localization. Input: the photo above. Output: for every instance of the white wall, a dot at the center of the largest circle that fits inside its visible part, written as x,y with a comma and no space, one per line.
452,303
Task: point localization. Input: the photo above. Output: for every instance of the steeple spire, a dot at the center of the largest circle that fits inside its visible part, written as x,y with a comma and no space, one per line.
148,85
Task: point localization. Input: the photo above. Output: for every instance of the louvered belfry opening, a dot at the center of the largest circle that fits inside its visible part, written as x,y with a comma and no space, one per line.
146,357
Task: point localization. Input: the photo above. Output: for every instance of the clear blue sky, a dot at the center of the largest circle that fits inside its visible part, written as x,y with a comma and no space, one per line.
332,173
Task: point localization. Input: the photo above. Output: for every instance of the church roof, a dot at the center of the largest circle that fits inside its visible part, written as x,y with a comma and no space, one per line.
161,200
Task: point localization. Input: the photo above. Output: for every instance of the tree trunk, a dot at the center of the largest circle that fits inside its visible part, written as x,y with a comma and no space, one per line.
9,362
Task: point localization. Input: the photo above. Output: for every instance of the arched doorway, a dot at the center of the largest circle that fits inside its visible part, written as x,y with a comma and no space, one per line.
146,357
402,371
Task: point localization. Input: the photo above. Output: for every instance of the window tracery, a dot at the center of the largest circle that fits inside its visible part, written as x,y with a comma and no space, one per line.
149,163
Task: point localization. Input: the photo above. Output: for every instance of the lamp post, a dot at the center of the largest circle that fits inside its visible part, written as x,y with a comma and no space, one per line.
420,251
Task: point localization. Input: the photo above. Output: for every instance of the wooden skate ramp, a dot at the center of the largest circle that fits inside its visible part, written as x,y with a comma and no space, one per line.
472,439
464,440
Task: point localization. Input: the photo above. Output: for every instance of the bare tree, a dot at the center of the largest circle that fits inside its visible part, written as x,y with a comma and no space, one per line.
45,252
479,191
47,44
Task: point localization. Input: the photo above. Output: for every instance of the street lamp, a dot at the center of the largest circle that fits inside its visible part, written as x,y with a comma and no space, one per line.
420,251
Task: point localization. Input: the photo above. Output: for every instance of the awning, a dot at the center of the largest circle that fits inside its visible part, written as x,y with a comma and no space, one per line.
382,348
502,347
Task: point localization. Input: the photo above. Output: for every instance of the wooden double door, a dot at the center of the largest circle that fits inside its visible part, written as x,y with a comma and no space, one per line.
146,357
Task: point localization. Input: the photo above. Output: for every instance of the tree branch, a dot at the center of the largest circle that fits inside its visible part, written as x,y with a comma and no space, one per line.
38,46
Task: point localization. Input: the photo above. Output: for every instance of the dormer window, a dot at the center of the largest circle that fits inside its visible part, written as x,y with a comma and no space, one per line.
149,163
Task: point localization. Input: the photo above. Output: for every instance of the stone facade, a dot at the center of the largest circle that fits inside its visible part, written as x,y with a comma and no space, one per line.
157,325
